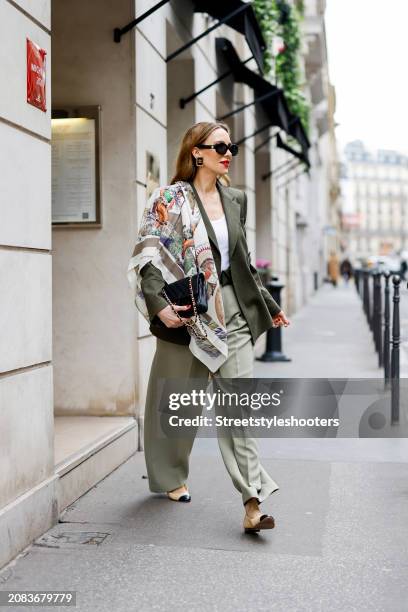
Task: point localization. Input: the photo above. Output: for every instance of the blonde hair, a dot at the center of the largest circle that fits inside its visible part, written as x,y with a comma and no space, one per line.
196,134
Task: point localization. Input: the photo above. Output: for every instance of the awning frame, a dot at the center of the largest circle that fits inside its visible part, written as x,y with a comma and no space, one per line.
118,32
299,154
245,22
287,166
269,94
268,125
286,183
184,101
240,9
278,113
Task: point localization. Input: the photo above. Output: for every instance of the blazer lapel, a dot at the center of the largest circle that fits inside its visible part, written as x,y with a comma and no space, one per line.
209,227
231,207
232,210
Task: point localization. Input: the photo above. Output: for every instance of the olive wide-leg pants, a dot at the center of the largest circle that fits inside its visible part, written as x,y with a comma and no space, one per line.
167,459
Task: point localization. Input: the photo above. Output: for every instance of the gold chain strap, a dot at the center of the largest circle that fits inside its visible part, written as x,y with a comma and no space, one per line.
196,314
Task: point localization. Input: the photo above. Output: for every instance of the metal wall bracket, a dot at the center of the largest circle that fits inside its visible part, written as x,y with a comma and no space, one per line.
241,108
118,32
214,27
185,101
254,133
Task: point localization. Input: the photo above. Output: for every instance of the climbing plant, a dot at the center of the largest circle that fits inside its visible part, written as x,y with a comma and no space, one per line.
280,25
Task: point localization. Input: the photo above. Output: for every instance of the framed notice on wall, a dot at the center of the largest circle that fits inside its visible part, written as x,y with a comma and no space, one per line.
76,167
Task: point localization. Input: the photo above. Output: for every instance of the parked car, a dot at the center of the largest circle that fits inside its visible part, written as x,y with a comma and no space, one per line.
383,262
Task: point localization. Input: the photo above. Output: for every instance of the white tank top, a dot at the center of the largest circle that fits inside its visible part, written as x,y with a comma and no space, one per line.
221,231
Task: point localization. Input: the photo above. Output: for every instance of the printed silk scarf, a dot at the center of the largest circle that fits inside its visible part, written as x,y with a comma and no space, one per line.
172,230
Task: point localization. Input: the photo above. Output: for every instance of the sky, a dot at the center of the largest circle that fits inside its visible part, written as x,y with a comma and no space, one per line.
367,44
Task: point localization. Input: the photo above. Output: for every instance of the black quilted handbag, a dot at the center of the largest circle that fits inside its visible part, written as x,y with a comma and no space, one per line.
188,290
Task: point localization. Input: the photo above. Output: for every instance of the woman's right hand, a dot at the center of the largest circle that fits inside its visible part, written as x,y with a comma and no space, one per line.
169,318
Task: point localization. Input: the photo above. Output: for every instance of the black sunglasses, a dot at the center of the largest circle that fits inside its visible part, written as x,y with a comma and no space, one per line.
221,148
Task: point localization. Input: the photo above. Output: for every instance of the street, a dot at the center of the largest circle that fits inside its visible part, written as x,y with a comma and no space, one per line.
341,529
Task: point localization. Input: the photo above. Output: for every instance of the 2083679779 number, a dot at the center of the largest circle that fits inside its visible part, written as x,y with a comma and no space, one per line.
37,598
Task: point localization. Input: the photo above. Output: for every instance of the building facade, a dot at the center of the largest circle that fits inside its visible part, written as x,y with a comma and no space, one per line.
305,207
375,195
75,354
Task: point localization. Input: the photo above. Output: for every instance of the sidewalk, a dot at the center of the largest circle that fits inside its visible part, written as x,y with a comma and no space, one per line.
339,541
328,338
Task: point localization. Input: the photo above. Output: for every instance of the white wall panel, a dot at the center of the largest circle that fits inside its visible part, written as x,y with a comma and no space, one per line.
39,9
25,189
26,425
150,136
150,80
25,309
154,26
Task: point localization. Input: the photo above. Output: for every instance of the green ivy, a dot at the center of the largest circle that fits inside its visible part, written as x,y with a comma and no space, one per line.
278,18
300,5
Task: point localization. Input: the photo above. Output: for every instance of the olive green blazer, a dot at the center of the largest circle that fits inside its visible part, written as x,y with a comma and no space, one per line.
256,303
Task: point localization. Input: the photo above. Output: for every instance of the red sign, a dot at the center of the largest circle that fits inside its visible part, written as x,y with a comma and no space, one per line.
36,75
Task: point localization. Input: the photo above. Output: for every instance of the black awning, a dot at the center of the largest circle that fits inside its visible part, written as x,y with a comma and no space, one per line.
297,131
299,154
244,22
275,108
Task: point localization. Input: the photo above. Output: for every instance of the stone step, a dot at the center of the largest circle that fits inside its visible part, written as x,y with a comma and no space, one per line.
87,450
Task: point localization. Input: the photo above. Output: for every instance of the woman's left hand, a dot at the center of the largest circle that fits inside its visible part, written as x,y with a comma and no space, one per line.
280,319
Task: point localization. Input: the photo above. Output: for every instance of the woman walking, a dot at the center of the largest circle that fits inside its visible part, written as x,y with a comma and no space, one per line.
333,268
197,222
